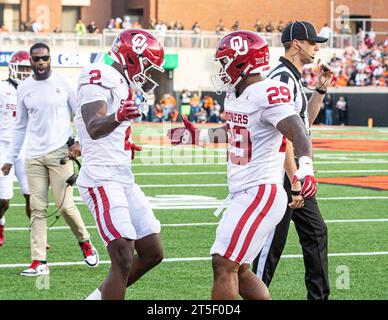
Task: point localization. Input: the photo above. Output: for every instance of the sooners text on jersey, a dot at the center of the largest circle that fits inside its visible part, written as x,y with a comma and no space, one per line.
7,110
256,149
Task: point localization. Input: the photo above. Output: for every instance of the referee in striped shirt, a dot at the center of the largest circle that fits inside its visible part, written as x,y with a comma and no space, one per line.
300,41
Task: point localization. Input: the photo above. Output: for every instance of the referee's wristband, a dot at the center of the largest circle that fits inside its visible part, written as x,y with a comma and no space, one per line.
320,91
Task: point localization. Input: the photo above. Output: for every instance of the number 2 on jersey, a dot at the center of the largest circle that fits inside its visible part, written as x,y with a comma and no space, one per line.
278,95
240,139
96,76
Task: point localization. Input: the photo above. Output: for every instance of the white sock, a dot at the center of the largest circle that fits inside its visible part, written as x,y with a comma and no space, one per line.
2,221
95,295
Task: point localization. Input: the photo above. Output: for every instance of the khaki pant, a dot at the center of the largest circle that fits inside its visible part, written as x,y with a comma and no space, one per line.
42,172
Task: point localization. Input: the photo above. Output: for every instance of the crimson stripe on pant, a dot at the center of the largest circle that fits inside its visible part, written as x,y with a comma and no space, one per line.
256,223
94,198
243,220
108,221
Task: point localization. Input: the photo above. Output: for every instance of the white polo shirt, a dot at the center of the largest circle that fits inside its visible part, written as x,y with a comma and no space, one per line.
47,107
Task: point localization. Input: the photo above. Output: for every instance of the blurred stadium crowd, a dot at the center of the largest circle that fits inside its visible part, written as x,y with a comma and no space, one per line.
366,65
198,108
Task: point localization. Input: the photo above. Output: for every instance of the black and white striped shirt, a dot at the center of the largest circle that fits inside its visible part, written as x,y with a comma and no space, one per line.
286,72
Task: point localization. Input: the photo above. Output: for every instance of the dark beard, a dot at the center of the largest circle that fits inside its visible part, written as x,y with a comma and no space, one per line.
42,76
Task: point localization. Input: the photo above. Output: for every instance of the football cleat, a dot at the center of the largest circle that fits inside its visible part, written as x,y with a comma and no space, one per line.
2,239
90,254
36,268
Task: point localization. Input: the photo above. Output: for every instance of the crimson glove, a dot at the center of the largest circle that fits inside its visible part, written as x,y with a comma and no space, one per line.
127,110
305,174
134,148
186,136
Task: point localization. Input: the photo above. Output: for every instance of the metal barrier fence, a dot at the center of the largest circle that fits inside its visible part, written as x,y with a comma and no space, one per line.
170,39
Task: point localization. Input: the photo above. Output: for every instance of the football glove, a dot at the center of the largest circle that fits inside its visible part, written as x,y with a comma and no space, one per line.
305,174
186,136
127,110
134,148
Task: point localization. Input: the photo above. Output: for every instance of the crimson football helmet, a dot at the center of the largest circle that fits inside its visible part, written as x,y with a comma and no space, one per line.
240,53
19,66
138,52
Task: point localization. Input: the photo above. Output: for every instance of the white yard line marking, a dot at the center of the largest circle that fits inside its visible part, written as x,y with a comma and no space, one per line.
169,156
180,173
199,224
183,185
190,259
216,205
94,227
351,171
170,164
353,198
356,220
343,162
184,149
177,185
371,154
141,174
196,173
222,156
16,187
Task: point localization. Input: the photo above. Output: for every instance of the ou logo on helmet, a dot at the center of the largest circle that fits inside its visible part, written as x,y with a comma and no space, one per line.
139,43
239,45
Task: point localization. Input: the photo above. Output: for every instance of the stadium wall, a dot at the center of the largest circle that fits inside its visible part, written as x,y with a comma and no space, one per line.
195,66
193,71
207,13
362,105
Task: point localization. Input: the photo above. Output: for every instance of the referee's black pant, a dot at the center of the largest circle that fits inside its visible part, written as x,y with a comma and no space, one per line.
312,233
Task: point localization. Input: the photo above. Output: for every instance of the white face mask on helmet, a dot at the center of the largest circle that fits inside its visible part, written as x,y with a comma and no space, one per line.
142,81
138,52
221,81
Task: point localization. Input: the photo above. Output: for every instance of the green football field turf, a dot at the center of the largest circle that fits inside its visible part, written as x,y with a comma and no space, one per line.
185,197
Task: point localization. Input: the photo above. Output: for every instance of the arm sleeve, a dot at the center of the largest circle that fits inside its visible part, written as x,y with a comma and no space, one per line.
19,132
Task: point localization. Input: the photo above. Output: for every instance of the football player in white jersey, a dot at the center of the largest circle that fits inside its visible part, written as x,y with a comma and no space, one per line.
19,69
260,117
123,215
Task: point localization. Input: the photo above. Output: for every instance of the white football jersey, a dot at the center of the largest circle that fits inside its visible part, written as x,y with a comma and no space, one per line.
8,101
256,149
101,82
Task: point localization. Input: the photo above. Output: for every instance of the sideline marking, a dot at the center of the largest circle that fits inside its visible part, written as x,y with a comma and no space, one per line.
189,259
199,224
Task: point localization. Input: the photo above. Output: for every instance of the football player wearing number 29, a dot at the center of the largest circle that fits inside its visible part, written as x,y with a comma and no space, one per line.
123,215
260,117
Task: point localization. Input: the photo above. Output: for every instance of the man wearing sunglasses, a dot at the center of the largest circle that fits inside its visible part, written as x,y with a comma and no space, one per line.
45,103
